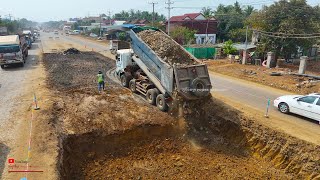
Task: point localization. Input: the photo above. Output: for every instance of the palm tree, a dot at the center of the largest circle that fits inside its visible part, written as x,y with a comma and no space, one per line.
207,12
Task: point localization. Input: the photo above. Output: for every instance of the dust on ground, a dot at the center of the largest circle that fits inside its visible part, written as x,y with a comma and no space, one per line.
117,135
261,75
165,47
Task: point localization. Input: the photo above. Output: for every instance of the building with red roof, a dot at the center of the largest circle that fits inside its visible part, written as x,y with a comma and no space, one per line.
206,28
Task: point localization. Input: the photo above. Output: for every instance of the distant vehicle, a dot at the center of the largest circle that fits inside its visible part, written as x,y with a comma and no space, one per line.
28,33
13,50
75,32
56,32
308,106
93,35
28,41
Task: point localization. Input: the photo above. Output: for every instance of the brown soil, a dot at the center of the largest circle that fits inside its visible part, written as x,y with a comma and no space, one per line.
116,135
261,75
165,47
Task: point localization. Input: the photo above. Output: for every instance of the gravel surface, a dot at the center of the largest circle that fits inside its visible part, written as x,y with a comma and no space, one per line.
165,47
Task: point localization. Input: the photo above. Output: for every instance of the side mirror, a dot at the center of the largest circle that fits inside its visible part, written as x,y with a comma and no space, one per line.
299,99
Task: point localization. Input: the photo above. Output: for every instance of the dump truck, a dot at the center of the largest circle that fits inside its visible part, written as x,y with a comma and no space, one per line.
13,50
143,71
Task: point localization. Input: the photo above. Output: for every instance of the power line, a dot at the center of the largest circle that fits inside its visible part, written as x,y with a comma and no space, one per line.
169,9
287,36
153,3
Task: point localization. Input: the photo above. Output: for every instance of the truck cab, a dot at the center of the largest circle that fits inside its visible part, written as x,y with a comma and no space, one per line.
123,60
12,50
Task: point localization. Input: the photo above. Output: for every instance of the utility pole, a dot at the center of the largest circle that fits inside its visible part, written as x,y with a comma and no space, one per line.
169,9
244,59
100,25
153,3
110,21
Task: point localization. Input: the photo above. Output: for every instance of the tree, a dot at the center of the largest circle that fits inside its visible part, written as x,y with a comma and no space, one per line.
231,18
132,15
207,12
228,47
282,19
183,35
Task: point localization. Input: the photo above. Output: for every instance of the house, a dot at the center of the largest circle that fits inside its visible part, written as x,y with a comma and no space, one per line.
206,28
138,22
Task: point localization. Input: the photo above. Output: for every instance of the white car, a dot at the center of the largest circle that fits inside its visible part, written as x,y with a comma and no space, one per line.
308,106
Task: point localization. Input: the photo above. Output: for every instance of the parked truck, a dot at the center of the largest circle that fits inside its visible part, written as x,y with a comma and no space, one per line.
13,50
143,71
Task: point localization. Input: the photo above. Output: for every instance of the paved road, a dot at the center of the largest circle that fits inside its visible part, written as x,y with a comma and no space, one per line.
252,95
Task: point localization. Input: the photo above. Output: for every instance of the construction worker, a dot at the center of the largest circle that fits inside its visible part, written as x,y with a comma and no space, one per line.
100,81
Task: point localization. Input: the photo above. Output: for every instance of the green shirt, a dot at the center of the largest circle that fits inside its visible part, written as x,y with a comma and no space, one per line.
100,78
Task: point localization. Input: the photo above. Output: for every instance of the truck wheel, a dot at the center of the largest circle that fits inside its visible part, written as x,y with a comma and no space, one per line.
161,103
2,66
150,97
156,93
21,64
124,81
132,85
199,88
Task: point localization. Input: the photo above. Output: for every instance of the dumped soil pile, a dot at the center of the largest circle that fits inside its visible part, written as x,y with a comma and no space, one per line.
71,51
166,48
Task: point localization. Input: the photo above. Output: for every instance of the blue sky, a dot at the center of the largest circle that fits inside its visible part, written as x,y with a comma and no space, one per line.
45,10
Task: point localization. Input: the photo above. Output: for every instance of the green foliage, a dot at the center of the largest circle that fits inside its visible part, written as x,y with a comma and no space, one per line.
122,36
158,25
231,18
96,31
17,25
228,48
53,24
287,17
239,34
132,15
207,12
183,35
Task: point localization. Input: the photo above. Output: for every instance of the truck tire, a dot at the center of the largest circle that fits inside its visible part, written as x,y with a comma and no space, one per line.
150,97
21,64
27,53
124,81
132,85
2,66
199,88
156,92
161,103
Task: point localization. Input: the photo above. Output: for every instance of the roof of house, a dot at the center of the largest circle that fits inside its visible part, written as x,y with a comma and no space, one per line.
178,18
193,15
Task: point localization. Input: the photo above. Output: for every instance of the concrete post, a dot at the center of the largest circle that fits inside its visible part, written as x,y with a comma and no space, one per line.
270,60
303,64
244,57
